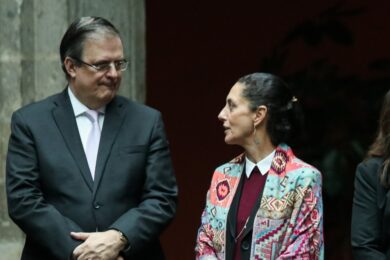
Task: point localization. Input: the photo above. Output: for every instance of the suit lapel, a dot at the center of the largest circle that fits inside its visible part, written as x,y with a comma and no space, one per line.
66,122
232,214
113,120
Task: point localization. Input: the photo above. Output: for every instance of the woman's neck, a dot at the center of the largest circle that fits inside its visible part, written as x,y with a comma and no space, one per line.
257,152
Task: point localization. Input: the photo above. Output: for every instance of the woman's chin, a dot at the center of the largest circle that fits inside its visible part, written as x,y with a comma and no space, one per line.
229,140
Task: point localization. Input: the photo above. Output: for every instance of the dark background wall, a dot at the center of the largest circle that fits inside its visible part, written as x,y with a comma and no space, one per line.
334,54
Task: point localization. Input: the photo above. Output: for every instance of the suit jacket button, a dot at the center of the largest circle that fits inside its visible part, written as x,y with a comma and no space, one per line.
245,245
97,206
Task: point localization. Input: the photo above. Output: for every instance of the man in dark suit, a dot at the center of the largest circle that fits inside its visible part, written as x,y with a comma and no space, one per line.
89,174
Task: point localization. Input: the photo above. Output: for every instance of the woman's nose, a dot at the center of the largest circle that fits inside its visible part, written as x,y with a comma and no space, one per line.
222,115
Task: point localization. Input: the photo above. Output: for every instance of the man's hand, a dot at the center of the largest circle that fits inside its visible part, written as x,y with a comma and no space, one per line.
99,245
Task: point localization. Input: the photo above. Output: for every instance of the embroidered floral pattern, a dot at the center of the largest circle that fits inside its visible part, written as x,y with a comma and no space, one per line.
279,162
223,189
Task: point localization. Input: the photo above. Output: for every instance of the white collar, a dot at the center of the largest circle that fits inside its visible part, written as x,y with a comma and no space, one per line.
78,107
264,165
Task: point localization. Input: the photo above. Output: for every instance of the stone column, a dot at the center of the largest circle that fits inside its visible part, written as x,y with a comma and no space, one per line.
30,68
10,98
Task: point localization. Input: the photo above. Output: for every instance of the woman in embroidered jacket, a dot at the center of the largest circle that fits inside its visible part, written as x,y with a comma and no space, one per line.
265,203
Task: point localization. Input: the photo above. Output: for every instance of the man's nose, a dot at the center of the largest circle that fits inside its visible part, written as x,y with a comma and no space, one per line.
112,71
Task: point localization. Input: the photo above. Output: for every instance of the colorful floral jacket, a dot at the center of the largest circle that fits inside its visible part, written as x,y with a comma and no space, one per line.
288,224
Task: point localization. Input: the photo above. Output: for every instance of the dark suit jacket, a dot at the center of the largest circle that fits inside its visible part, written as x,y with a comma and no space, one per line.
370,213
51,192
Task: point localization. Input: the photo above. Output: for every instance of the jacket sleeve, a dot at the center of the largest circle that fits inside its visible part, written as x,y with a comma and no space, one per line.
306,240
143,224
204,242
366,227
27,206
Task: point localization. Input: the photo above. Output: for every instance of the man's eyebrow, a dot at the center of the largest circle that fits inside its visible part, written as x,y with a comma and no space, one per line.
108,61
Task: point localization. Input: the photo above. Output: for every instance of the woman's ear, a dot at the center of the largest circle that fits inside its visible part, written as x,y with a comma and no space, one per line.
260,115
70,67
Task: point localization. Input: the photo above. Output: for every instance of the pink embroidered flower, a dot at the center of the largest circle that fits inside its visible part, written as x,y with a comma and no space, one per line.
223,189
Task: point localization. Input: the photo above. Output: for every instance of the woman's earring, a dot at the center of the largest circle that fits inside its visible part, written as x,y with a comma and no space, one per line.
255,139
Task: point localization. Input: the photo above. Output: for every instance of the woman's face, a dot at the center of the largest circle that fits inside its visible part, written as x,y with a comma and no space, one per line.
237,118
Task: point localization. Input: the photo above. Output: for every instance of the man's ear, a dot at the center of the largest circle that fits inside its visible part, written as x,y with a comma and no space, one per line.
70,67
260,115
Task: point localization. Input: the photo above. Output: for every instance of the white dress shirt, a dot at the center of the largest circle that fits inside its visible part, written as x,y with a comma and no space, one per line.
84,125
264,165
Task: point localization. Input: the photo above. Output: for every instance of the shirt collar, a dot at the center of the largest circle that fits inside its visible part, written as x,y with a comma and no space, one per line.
78,107
264,165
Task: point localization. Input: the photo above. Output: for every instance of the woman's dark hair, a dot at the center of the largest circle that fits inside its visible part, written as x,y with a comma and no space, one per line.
285,118
72,43
381,145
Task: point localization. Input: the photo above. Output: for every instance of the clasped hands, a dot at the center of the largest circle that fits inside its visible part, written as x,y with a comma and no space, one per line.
98,245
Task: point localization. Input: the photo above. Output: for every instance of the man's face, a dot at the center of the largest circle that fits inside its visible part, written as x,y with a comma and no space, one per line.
92,87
